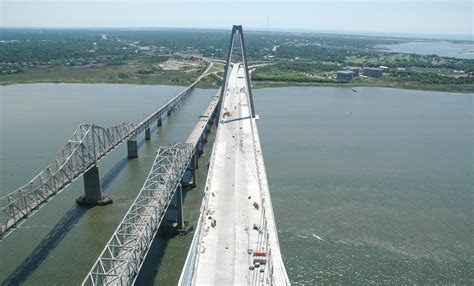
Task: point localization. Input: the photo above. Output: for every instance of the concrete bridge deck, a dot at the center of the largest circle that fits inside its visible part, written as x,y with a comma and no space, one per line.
237,227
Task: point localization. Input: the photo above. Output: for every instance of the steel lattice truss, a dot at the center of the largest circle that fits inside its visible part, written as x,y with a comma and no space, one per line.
121,260
86,147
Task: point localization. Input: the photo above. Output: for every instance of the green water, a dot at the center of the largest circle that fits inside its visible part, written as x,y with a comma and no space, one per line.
373,187
384,177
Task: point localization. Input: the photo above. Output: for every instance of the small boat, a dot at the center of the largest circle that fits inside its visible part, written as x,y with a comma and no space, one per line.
354,90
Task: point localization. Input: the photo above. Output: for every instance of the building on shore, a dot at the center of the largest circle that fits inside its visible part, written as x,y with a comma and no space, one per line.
373,72
345,75
355,70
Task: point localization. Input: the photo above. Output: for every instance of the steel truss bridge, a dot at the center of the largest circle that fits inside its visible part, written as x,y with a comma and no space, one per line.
84,149
125,252
121,260
80,156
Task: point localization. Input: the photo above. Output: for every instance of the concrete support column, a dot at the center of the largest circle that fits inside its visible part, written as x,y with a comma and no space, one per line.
192,164
200,146
196,160
194,174
147,134
160,122
132,148
179,205
170,111
192,168
92,188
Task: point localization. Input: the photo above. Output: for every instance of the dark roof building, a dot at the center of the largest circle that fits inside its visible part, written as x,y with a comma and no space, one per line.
345,75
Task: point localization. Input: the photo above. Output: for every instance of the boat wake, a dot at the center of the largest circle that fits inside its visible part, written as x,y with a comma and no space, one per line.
317,237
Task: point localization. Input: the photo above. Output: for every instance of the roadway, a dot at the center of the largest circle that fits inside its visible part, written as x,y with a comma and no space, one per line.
237,219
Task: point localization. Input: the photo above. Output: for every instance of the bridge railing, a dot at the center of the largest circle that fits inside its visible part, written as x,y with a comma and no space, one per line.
205,121
192,257
276,273
172,104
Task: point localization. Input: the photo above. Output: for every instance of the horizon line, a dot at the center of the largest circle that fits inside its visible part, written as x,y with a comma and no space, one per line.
259,29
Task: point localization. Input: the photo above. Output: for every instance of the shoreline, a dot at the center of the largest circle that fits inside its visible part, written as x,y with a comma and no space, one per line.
438,88
268,84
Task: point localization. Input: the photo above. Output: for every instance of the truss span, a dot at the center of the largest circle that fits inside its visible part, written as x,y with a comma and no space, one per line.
84,149
121,260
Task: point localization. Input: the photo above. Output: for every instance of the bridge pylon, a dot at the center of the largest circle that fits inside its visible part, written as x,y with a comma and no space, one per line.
235,29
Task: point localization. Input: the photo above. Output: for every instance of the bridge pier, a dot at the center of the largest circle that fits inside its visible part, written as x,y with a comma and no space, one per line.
132,148
191,183
169,111
92,189
160,122
147,134
200,146
179,207
194,175
175,212
196,160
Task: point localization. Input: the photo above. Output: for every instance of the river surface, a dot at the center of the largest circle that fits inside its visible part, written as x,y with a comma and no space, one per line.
440,48
373,187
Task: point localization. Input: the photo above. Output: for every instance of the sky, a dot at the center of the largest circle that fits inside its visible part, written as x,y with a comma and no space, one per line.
448,17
